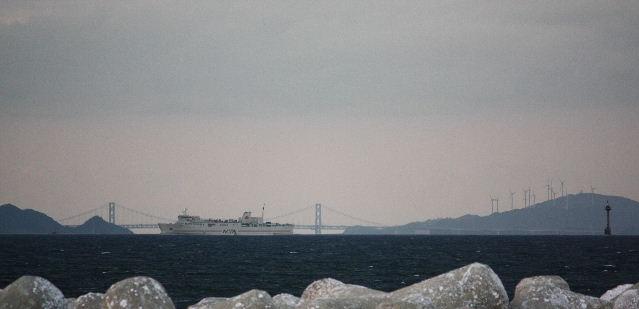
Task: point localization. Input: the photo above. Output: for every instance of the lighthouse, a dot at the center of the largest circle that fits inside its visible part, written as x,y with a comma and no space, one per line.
607,230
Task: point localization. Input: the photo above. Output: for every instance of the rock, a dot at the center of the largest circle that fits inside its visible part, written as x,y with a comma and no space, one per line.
68,303
208,302
89,301
330,293
285,301
31,292
554,281
137,292
550,292
627,300
253,299
472,286
320,288
611,294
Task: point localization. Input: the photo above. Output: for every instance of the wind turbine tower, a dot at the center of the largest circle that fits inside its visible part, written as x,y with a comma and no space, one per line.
512,200
494,204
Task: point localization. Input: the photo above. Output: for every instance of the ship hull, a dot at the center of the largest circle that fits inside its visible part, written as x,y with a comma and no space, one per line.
227,229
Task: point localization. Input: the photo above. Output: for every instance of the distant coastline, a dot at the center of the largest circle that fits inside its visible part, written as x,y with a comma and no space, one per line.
575,214
14,220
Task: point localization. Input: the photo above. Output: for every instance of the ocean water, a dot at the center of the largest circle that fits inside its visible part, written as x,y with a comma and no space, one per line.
194,267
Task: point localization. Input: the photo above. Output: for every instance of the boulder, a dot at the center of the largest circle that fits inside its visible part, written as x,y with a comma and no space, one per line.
331,293
320,288
550,281
546,292
208,302
285,301
31,292
89,301
68,303
627,300
253,299
611,294
137,292
472,286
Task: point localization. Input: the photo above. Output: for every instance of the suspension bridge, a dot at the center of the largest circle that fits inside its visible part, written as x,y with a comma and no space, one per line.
313,217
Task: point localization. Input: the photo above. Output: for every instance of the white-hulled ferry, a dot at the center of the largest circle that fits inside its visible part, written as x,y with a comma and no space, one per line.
245,225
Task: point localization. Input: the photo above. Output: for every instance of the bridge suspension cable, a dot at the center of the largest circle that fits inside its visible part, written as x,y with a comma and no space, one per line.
352,217
144,214
316,227
294,212
82,214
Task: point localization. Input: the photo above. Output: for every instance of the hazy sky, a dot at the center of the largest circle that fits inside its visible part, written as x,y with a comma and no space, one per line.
392,111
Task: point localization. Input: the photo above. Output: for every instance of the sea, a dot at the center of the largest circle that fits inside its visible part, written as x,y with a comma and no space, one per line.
194,267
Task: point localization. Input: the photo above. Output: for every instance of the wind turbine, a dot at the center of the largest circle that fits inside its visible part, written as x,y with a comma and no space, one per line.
554,195
492,205
512,200
494,202
530,199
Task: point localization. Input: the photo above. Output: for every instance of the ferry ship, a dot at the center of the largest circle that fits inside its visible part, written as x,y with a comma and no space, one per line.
244,225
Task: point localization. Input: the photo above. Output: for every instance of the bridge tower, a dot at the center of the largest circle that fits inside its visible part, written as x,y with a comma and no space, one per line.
112,212
318,219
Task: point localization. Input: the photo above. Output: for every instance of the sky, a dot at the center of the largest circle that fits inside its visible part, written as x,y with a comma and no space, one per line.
390,111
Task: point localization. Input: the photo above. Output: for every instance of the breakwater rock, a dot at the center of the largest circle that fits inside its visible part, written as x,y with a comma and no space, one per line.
472,286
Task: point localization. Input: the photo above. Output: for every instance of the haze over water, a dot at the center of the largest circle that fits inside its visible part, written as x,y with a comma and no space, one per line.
393,111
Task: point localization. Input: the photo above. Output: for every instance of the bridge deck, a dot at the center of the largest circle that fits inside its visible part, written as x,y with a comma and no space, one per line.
297,227
146,217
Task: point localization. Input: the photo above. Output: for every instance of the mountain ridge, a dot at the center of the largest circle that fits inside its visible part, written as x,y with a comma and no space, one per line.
14,220
574,214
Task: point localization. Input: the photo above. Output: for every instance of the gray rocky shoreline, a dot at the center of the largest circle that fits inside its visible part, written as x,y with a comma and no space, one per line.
471,286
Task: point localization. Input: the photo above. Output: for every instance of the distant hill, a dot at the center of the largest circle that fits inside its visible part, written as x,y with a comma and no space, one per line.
580,214
14,220
97,225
